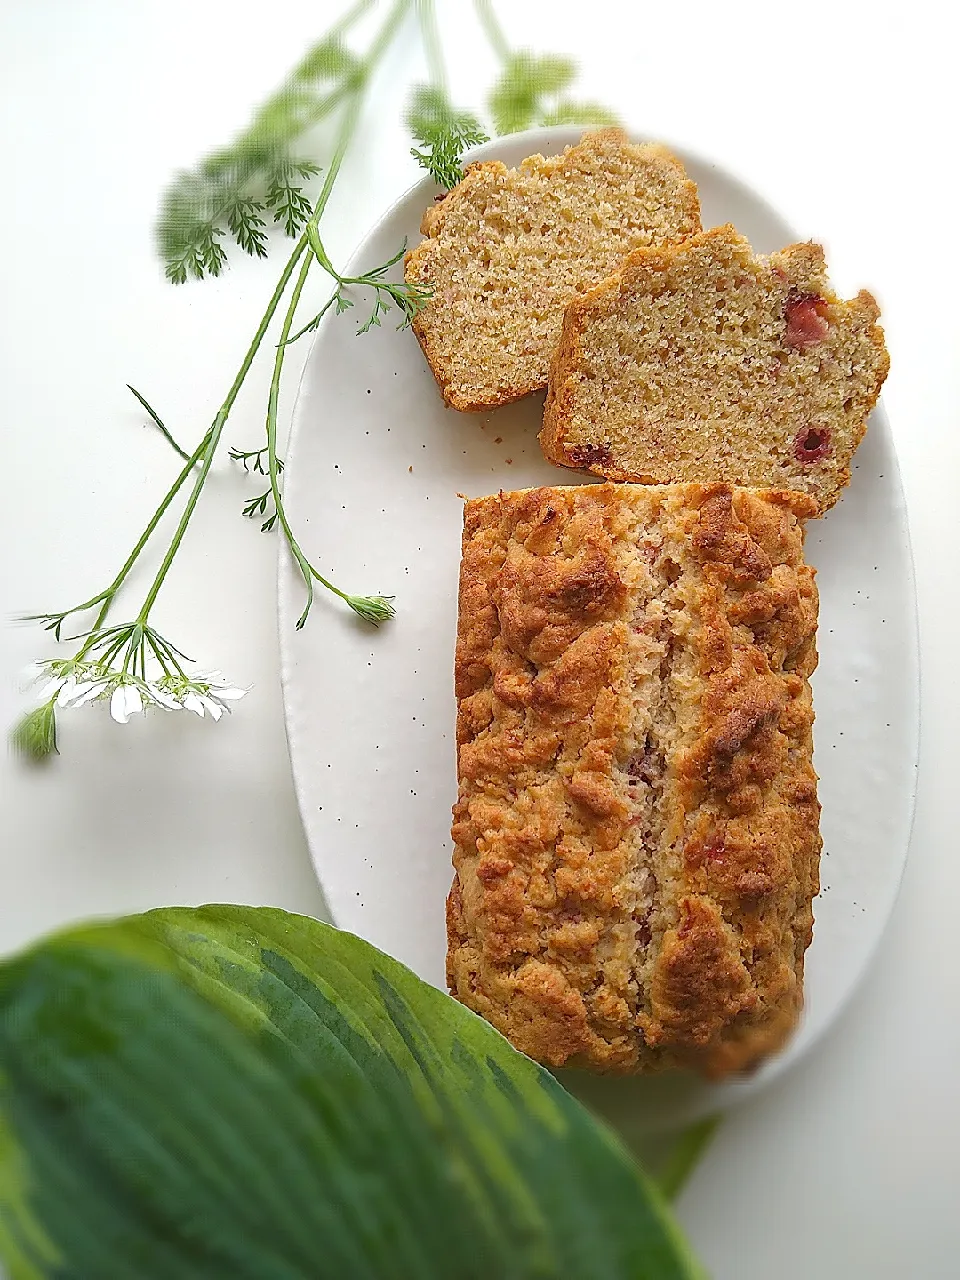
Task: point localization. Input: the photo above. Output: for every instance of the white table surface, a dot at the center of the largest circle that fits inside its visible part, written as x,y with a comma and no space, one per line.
845,116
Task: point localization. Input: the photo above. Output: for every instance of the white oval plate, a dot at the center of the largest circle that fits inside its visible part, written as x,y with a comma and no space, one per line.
374,470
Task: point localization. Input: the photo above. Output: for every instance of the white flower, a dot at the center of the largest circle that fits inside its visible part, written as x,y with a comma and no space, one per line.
79,681
219,687
76,692
51,688
192,702
162,698
206,693
53,673
125,702
67,692
95,689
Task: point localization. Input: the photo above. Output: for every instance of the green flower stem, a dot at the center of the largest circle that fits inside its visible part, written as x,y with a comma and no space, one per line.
113,640
162,654
325,107
343,25
111,652
374,54
212,438
319,111
492,29
114,587
134,642
307,570
351,116
373,611
105,597
155,419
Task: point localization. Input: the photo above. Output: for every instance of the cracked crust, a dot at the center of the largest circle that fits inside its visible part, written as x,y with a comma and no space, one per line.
636,834
507,249
701,361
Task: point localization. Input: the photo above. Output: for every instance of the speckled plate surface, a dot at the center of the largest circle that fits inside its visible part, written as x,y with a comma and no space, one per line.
374,470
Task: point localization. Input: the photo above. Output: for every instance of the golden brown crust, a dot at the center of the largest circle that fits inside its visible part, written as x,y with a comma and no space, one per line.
685,365
507,249
636,833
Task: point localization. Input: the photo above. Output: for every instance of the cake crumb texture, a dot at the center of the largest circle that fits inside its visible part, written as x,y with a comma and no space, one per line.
704,362
636,836
507,249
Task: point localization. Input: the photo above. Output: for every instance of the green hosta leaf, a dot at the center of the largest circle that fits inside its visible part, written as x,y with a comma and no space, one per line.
233,1092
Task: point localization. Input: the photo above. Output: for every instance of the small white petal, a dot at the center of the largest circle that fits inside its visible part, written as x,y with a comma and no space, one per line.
72,690
77,691
213,708
125,702
134,702
51,687
164,698
92,690
230,693
193,703
67,692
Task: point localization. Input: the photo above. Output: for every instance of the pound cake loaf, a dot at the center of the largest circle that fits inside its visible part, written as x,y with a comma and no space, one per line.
507,249
636,834
703,362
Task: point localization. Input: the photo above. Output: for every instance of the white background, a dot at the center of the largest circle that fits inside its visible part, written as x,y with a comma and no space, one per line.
845,116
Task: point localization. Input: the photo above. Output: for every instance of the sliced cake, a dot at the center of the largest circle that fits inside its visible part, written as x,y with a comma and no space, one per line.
507,249
703,361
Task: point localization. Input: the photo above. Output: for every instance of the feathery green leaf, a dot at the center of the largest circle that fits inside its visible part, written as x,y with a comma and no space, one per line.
443,132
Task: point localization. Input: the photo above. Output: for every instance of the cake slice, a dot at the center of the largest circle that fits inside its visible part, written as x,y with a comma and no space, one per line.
636,834
507,249
704,362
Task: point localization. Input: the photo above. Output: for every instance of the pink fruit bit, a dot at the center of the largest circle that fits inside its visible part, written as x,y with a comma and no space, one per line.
806,319
811,444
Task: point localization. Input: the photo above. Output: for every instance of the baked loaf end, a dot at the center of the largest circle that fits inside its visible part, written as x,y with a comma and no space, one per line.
636,834
507,249
703,362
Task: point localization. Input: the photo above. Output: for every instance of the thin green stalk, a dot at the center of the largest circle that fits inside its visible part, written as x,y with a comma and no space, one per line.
155,419
107,595
374,54
321,109
306,568
212,437
375,610
492,29
351,116
136,636
343,25
325,107
158,653
427,19
110,651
